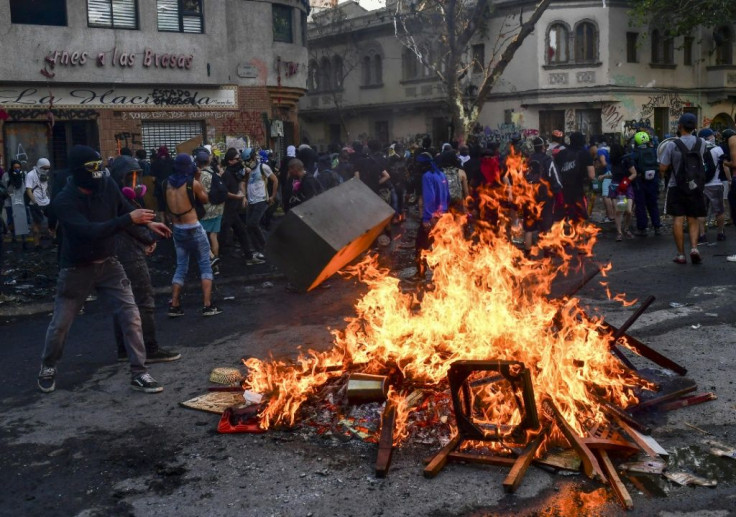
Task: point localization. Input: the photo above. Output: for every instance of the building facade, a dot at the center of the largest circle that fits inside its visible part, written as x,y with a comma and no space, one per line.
583,68
146,73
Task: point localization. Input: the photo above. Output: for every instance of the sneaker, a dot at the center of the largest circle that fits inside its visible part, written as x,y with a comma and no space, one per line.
731,258
619,237
721,237
214,261
608,220
680,259
175,312
695,257
258,255
216,270
145,383
702,239
254,261
47,379
630,235
162,356
211,311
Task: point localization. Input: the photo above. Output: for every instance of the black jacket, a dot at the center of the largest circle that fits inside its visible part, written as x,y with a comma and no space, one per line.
90,222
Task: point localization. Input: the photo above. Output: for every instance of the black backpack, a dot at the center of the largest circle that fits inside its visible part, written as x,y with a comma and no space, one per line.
328,179
196,205
646,163
218,191
690,176
711,167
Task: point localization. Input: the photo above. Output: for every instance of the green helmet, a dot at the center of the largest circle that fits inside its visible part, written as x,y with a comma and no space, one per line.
641,138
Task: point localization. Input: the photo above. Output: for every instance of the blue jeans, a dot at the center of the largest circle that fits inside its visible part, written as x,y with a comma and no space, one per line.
191,239
646,198
74,285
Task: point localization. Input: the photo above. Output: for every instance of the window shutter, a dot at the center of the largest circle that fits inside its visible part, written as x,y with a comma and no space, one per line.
170,134
99,13
168,15
123,14
192,24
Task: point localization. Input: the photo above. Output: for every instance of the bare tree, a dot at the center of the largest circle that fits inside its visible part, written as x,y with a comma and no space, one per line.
333,56
441,34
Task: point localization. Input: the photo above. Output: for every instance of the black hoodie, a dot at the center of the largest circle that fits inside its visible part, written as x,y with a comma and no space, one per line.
90,222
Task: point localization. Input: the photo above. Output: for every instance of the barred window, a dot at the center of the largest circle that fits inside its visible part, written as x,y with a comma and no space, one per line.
114,14
180,16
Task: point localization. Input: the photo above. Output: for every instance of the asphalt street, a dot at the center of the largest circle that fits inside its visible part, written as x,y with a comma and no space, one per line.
94,447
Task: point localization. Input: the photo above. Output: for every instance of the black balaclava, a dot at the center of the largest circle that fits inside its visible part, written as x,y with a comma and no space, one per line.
78,156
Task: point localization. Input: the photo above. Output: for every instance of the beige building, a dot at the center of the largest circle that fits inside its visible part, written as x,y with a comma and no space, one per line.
583,68
144,73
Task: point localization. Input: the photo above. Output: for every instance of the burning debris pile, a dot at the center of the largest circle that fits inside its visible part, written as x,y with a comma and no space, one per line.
483,355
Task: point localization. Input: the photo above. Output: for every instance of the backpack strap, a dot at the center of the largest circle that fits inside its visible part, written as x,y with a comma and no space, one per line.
190,196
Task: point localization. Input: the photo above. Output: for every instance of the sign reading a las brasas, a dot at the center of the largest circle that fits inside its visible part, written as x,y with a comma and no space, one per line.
115,58
104,97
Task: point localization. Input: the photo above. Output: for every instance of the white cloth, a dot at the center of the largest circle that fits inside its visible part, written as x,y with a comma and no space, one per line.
716,152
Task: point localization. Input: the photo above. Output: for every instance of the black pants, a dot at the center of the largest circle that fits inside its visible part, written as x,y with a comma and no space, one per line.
231,221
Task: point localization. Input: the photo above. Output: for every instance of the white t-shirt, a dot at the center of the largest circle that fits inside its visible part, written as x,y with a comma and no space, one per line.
39,188
716,153
257,192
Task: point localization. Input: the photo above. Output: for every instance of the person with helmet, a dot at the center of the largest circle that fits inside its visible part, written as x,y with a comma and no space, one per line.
713,190
91,210
646,185
684,199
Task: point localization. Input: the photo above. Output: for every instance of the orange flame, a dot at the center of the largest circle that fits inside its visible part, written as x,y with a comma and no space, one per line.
487,301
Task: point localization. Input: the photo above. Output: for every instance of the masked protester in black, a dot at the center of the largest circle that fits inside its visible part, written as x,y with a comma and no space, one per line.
132,246
92,210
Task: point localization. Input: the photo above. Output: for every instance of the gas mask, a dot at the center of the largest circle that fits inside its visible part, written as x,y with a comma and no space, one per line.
132,190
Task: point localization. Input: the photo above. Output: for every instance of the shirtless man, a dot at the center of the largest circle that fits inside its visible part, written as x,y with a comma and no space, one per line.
183,192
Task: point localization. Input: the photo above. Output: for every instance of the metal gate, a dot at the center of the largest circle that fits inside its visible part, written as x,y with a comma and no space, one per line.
170,134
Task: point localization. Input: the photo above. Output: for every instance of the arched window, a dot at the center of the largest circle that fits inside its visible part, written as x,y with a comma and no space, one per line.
558,38
723,38
325,72
313,77
586,42
337,71
366,70
409,65
377,70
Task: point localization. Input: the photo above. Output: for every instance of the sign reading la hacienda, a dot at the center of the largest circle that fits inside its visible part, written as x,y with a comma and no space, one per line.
31,96
116,58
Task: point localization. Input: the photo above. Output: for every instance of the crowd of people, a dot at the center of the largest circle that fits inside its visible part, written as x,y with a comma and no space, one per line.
107,224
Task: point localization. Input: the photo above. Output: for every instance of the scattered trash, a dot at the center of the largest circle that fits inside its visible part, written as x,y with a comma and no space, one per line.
685,478
213,402
696,428
228,298
677,305
711,314
696,327
267,285
644,467
719,449
226,376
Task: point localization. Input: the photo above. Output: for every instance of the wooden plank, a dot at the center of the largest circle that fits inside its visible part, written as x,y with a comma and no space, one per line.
689,401
591,467
663,398
440,459
638,438
648,352
610,444
386,442
632,319
618,487
513,479
620,414
482,459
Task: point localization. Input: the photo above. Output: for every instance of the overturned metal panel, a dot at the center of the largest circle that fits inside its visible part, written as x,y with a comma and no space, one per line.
319,237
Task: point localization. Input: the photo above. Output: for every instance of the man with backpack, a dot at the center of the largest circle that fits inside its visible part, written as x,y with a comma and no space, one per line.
183,195
684,155
714,186
217,194
646,184
259,199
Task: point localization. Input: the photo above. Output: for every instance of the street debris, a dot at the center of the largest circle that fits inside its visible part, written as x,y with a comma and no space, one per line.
651,466
226,375
685,478
721,450
696,327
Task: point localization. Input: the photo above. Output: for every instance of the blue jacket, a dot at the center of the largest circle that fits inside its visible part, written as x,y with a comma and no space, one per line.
436,194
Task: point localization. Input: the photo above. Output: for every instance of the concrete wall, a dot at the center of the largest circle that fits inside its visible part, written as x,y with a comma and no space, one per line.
236,33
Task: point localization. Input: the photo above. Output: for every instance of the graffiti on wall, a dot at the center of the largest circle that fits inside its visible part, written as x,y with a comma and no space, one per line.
570,120
673,101
62,114
128,139
612,118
